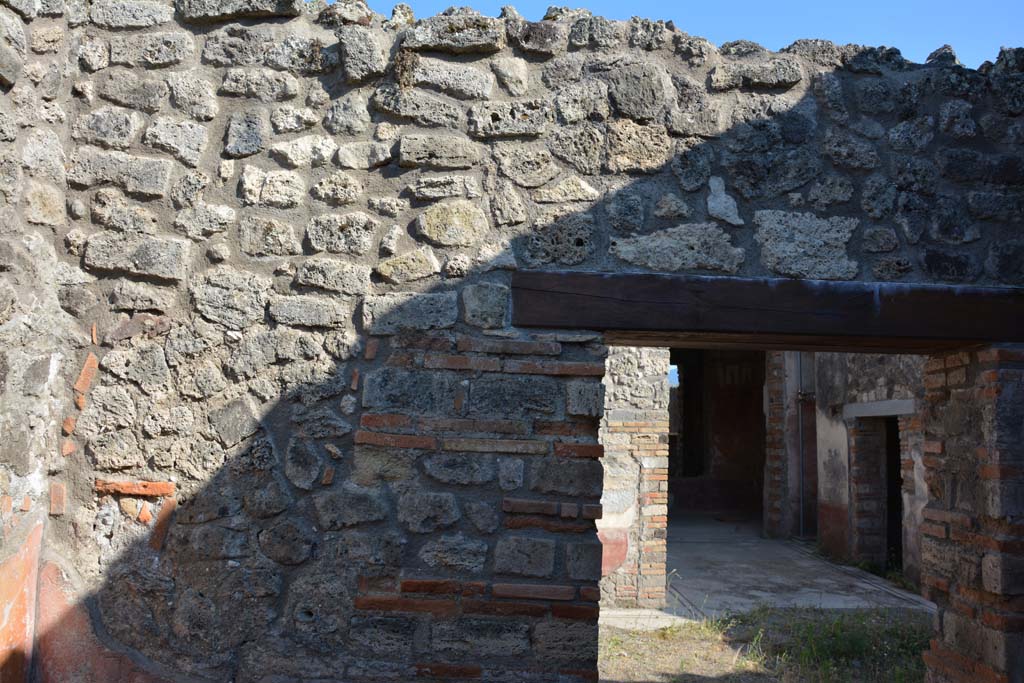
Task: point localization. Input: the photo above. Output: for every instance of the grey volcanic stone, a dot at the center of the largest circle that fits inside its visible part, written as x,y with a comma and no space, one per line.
246,134
233,298
691,246
640,91
482,516
309,311
441,152
192,95
111,127
776,73
455,552
392,313
545,38
568,240
263,236
302,463
418,106
524,556
165,258
567,477
1005,262
334,275
451,224
337,189
408,390
222,10
457,31
424,513
583,101
132,91
130,14
850,151
460,469
486,305
152,50
184,140
582,146
522,118
595,32
466,636
691,164
265,85
234,421
350,233
803,245
347,115
348,506
362,56
136,175
287,541
948,266
878,240
458,80
583,561
506,396
913,135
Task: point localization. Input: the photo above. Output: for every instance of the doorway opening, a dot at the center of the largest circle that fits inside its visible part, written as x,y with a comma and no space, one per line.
717,446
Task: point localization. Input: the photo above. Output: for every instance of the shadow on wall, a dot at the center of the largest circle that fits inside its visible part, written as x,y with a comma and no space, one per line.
399,503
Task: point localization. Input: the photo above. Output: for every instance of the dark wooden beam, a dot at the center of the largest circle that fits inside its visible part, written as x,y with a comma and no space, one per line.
732,312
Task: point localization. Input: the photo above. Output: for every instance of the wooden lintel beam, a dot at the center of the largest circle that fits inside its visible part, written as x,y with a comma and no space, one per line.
771,313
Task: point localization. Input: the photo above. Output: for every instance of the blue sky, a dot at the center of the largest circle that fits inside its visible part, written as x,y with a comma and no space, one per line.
975,29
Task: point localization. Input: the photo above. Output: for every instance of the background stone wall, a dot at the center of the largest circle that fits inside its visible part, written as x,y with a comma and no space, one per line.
257,366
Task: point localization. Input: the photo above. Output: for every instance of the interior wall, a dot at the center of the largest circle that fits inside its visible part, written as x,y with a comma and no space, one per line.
844,380
730,431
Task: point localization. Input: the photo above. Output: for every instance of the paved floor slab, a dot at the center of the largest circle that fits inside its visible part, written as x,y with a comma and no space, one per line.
716,568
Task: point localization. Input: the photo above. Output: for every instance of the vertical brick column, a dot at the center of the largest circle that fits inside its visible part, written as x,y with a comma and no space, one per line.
867,490
634,432
973,534
776,466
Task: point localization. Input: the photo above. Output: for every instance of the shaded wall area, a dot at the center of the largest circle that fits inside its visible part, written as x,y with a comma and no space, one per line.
718,463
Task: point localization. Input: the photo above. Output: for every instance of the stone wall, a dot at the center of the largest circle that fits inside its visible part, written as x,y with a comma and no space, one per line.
257,367
634,433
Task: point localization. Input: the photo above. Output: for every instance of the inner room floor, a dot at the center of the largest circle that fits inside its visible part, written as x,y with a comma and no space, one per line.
718,568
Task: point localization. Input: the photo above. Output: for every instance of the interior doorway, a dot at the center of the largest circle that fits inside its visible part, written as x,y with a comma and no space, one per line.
717,446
